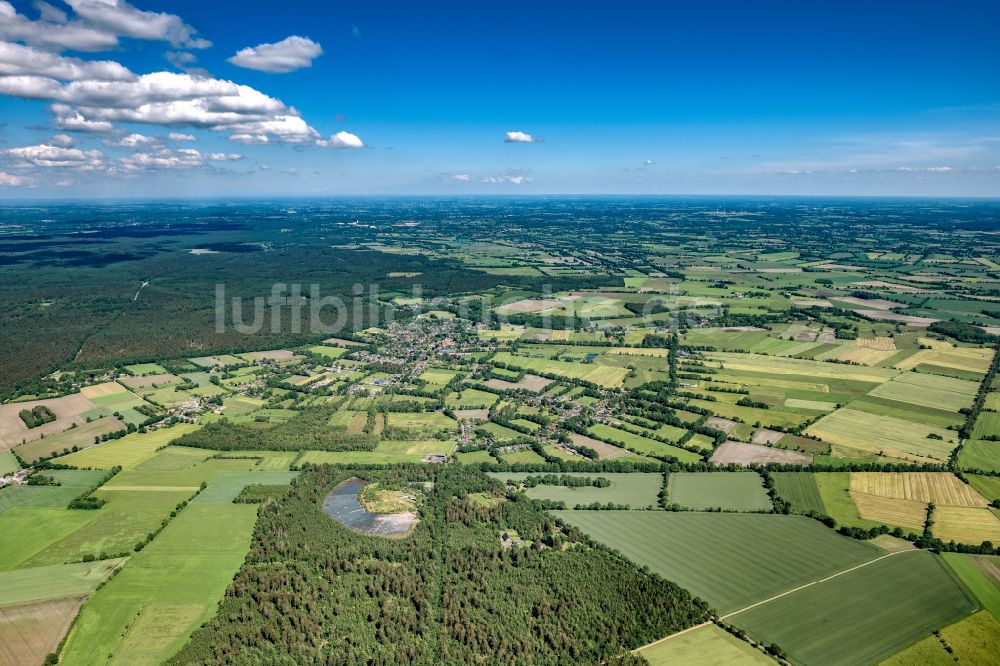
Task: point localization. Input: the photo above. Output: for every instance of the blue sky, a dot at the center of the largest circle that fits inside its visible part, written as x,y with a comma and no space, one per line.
893,98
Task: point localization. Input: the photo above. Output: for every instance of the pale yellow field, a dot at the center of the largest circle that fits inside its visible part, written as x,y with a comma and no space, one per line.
891,511
101,390
792,366
966,525
972,359
880,343
866,355
942,488
640,351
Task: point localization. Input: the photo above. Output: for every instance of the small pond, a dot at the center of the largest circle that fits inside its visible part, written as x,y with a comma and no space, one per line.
343,505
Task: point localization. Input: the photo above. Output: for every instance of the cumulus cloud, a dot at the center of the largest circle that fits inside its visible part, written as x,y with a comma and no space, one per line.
179,136
506,180
288,55
11,180
96,26
50,156
460,178
62,140
521,137
341,140
73,121
224,157
133,141
163,158
120,18
21,60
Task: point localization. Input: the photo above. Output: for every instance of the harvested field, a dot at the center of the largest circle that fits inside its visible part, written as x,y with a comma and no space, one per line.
82,437
879,343
888,435
719,423
148,381
532,383
909,320
942,488
766,437
966,525
928,391
30,631
273,355
341,342
970,359
67,410
891,511
604,450
530,305
472,414
748,454
101,390
873,303
777,365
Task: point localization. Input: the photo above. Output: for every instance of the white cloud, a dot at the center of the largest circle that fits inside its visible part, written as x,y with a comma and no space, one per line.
224,157
20,60
341,140
178,136
506,180
164,158
49,156
460,178
11,180
521,137
288,55
649,162
62,140
68,119
133,141
120,18
935,169
96,26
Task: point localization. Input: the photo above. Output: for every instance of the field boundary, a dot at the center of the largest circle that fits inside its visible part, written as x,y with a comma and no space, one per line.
674,635
817,582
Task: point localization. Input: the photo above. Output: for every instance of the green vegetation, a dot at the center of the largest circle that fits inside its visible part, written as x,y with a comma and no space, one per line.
863,615
740,491
730,560
705,645
637,490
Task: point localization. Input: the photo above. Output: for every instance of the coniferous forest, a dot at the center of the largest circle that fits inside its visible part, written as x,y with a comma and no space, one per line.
313,592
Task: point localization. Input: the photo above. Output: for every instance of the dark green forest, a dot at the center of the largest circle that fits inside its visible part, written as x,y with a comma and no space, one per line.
313,592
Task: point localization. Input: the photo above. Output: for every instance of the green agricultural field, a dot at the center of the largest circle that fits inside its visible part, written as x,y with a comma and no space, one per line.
437,377
427,422
470,399
36,529
127,518
705,646
835,491
522,456
165,591
974,640
792,366
987,425
474,457
385,453
266,460
730,491
82,436
129,451
72,484
800,490
227,485
864,615
52,582
174,458
730,560
8,463
328,352
886,435
987,486
981,455
602,375
638,490
143,369
971,570
928,391
641,444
